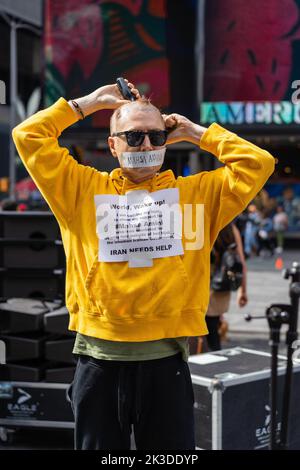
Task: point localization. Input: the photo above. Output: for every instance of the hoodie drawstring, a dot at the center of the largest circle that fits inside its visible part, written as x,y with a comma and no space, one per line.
124,184
153,184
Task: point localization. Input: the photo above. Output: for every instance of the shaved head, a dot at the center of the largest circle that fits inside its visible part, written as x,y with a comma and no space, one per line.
139,115
142,105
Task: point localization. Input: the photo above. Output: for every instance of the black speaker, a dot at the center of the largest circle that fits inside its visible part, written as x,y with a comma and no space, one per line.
32,260
60,350
25,371
30,240
23,347
21,315
32,283
58,322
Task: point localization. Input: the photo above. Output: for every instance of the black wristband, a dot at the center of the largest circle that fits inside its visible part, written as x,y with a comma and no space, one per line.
78,108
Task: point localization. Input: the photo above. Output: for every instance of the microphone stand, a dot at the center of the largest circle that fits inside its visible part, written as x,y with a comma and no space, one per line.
291,337
277,315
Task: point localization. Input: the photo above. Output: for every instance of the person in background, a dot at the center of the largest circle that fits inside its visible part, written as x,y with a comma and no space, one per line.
219,301
265,235
280,223
291,206
264,203
251,230
261,201
240,222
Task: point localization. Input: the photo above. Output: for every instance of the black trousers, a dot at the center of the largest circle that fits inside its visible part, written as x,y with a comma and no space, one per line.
155,396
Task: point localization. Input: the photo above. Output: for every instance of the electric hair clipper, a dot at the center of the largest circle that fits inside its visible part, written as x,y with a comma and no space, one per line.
125,90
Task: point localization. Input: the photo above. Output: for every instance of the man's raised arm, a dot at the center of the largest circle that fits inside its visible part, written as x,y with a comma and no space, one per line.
59,177
227,190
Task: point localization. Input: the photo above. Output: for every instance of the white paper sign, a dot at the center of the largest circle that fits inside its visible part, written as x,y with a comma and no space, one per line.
139,226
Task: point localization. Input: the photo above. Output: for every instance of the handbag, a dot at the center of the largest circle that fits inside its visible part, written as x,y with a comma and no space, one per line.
228,276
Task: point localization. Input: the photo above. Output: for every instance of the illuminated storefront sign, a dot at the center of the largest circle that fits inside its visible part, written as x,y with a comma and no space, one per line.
281,113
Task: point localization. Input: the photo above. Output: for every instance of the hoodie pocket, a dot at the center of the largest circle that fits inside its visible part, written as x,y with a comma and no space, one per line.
120,293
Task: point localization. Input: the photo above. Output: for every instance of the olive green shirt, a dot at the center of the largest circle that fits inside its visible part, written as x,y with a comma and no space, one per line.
130,351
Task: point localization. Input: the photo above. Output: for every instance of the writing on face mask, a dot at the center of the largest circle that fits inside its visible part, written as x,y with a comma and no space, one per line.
142,159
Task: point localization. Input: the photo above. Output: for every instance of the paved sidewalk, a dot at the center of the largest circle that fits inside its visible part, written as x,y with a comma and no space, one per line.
265,286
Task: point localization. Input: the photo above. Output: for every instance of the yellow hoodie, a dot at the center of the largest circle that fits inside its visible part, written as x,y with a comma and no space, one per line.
111,300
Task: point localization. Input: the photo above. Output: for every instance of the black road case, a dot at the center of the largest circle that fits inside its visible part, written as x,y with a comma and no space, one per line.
231,389
42,405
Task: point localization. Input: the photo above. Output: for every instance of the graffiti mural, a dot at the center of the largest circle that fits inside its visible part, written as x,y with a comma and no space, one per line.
89,43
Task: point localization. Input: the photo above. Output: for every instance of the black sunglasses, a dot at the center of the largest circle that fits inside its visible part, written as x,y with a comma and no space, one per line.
136,138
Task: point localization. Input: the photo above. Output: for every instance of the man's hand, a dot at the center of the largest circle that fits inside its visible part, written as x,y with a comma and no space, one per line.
110,97
105,97
182,129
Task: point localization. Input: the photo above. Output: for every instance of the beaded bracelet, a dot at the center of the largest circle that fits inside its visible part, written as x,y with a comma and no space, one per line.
78,108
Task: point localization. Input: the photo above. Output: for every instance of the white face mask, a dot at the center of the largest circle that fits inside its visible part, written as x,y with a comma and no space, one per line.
142,159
